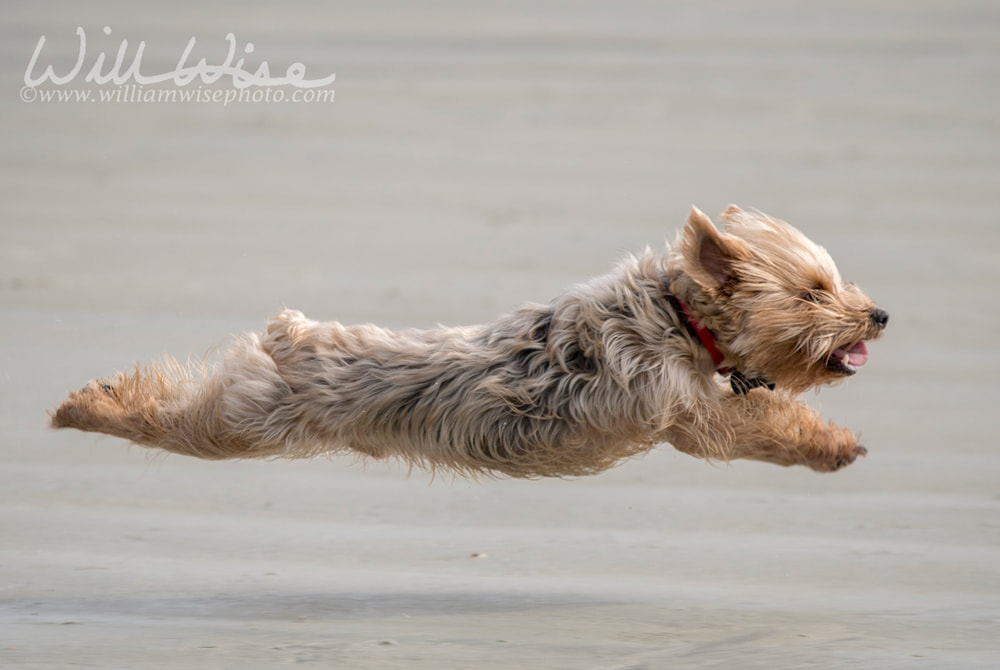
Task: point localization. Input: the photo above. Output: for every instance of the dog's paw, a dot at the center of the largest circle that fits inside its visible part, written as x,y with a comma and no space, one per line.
847,459
839,449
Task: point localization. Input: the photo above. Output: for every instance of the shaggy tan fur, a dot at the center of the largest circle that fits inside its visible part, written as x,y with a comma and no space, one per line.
606,371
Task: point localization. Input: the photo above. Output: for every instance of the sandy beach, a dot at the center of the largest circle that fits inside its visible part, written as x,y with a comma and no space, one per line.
477,157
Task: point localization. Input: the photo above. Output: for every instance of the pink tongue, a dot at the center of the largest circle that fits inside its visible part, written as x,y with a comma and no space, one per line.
858,354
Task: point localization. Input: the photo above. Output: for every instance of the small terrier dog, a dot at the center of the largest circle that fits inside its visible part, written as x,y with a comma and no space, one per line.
609,370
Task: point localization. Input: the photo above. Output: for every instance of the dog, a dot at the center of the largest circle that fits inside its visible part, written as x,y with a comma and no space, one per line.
704,345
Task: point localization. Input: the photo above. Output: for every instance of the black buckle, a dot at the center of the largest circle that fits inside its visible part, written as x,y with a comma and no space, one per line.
742,384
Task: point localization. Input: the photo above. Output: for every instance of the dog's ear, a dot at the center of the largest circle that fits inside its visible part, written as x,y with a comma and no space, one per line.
732,212
710,254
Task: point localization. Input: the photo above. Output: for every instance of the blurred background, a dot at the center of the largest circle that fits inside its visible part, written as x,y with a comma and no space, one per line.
479,155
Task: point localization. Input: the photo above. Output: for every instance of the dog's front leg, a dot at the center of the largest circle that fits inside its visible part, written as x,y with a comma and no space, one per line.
765,426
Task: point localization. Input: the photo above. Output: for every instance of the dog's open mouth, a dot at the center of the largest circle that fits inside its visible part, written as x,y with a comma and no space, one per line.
847,359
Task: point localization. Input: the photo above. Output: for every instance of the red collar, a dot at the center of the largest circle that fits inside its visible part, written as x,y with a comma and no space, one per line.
740,383
707,339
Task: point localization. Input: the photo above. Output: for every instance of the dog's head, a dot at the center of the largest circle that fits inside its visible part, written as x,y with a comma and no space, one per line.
774,300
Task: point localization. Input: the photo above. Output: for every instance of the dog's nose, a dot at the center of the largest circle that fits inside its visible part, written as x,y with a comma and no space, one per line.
880,317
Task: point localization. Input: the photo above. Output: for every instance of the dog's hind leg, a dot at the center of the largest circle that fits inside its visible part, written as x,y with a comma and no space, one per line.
212,414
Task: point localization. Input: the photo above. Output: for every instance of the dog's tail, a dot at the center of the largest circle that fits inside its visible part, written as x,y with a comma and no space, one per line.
211,413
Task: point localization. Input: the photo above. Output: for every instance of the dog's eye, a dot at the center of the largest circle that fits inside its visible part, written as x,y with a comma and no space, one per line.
814,294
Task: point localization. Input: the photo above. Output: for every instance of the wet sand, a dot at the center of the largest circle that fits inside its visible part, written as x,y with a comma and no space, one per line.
475,159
